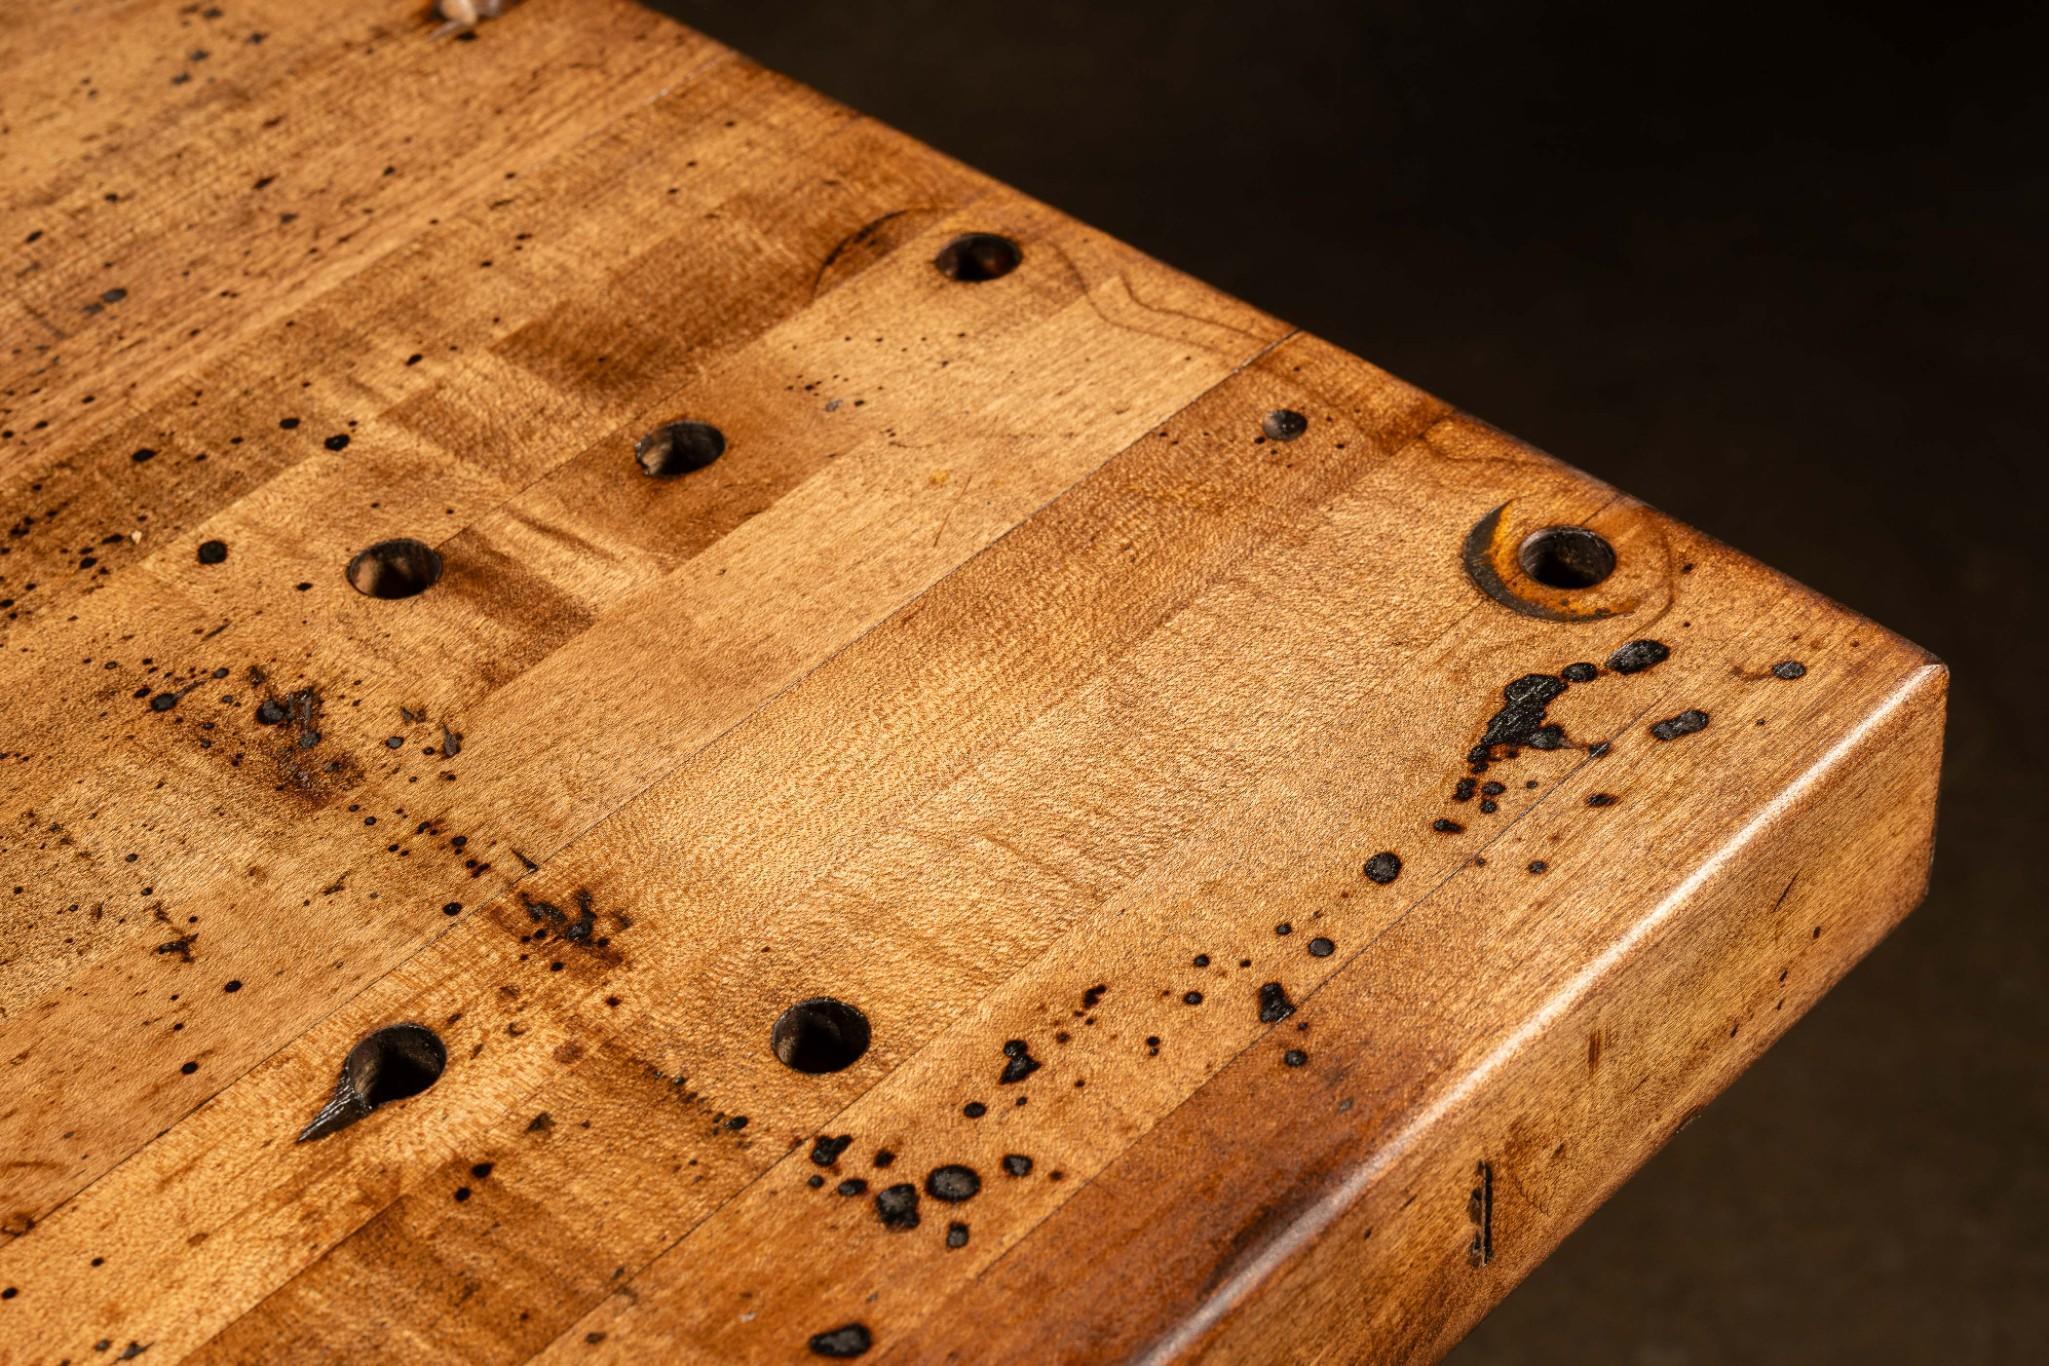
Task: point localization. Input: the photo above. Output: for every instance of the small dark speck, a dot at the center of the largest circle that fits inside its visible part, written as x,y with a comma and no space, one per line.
114,296
852,1339
1602,799
1320,947
1193,998
1579,673
1639,655
339,441
1294,1057
231,985
1539,866
852,1186
1284,928
897,1207
288,422
1446,827
1383,868
163,701
1017,1164
974,1109
462,1193
1019,1062
1598,748
189,1068
1686,722
1274,1005
213,552
142,455
956,1235
1201,960
1789,669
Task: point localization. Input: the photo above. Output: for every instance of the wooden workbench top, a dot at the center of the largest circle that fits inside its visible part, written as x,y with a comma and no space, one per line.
640,720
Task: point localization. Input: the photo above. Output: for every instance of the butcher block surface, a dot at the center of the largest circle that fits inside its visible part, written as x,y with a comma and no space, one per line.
640,720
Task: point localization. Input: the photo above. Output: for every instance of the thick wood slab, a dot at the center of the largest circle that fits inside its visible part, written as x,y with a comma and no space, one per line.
1139,765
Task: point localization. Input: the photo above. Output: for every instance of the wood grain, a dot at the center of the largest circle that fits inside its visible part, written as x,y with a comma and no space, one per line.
1010,675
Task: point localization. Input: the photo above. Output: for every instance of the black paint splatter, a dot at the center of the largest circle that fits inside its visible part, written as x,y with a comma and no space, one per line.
1686,722
1383,868
1274,1005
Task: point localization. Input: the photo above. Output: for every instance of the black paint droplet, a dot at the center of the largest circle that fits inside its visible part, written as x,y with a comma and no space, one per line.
270,712
1789,669
853,1185
849,1340
897,1206
339,441
1539,866
1638,655
1383,868
1602,799
163,701
680,447
1445,827
1320,947
977,257
1274,1005
1020,1062
1017,1164
213,552
288,422
1193,998
1579,673
142,455
974,1109
826,1151
1686,722
953,1183
1294,1057
1283,424
956,1235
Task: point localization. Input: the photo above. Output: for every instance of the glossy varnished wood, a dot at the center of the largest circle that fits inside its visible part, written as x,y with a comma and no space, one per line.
1006,676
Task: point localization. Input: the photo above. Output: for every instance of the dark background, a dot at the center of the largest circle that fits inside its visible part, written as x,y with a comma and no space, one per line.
1779,274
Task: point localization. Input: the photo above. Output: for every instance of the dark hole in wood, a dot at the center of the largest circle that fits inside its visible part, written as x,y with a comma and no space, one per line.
394,1063
1283,424
1567,557
679,448
395,569
978,256
820,1035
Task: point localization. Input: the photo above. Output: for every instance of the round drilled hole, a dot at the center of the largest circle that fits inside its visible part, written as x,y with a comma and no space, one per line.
392,1064
395,569
678,448
820,1035
396,1062
1566,557
1283,424
978,256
